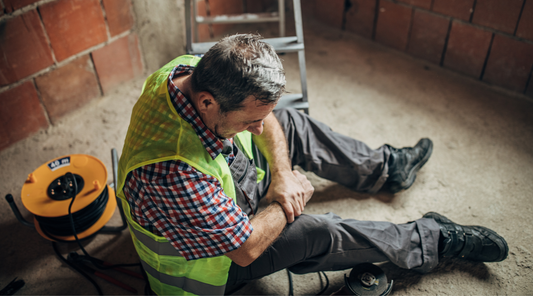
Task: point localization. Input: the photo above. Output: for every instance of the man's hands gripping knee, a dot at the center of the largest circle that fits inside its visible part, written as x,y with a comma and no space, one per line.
289,188
288,194
292,191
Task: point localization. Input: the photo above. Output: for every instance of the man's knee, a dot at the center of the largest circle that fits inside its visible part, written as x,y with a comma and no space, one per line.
314,229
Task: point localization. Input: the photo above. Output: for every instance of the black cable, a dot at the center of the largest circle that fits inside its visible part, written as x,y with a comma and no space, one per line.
96,206
327,283
54,245
74,223
82,219
93,260
291,288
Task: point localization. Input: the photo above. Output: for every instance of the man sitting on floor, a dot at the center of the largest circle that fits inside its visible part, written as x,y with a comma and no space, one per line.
205,145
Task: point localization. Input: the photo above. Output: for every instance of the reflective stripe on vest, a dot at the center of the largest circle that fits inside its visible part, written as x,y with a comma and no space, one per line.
161,248
187,284
168,284
166,248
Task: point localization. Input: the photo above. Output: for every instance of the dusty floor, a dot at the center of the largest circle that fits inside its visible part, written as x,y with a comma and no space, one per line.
480,171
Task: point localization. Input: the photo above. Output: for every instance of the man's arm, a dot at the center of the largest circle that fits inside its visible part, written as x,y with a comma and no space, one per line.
285,187
267,225
288,194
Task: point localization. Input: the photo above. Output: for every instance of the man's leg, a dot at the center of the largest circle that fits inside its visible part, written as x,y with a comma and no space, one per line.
333,156
327,242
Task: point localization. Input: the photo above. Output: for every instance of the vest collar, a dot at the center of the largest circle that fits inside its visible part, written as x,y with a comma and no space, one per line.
212,144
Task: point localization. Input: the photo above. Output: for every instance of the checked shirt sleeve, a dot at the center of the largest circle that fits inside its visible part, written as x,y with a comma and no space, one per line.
188,208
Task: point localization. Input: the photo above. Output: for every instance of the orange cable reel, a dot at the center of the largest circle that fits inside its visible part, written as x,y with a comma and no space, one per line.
48,192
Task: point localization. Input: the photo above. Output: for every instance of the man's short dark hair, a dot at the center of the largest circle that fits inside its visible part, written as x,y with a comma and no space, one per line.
237,67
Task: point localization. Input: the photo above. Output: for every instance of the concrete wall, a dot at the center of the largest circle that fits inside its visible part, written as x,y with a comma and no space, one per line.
161,30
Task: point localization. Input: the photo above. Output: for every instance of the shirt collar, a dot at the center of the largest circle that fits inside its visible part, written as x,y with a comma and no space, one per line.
212,144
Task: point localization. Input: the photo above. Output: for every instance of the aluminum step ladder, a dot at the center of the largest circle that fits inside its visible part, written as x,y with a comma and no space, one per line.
281,44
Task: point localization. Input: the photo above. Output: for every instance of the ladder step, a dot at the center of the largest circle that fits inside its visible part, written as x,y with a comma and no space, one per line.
292,101
281,44
239,18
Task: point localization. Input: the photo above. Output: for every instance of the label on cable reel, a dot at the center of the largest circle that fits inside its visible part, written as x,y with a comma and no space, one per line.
59,163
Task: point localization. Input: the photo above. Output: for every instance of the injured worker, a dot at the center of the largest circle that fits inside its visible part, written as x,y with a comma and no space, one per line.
205,144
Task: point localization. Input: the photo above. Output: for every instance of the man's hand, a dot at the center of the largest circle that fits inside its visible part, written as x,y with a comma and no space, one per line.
289,188
288,195
292,191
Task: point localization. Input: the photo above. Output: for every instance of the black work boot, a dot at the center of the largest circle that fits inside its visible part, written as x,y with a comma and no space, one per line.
404,163
476,243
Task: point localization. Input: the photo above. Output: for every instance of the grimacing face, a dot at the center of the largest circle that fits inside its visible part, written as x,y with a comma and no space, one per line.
249,118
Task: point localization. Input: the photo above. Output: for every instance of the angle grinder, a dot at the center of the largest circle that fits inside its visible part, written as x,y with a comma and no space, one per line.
369,280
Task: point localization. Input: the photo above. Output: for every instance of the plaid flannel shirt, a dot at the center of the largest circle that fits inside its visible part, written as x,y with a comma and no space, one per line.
189,208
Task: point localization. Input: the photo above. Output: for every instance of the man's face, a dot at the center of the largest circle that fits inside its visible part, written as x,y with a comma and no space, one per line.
250,118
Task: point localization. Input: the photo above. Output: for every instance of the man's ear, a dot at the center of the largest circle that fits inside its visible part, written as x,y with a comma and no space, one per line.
206,102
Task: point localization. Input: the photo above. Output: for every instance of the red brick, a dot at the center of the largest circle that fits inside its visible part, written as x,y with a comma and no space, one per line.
118,62
529,90
525,26
73,25
21,114
509,63
330,12
497,14
419,3
360,17
461,9
225,7
428,36
4,136
24,48
203,30
12,5
217,8
69,87
119,15
467,49
393,24
256,6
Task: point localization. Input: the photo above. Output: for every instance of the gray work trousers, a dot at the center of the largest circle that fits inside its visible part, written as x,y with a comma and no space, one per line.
326,242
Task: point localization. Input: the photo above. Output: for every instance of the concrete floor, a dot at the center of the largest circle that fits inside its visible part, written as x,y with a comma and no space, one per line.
480,171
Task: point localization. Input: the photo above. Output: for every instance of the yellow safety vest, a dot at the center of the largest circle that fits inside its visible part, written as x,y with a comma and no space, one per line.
157,133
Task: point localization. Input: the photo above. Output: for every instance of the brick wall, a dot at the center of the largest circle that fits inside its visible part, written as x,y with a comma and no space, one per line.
57,56
490,40
229,7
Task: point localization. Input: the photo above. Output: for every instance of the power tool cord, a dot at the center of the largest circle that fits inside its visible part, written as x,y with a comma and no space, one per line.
93,260
291,288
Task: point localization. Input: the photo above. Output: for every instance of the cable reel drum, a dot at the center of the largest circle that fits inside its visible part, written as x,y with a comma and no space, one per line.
48,191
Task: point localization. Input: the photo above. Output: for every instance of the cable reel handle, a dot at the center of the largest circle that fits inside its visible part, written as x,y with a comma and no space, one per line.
15,209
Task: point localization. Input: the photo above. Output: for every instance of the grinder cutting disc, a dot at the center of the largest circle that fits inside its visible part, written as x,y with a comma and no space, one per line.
368,279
